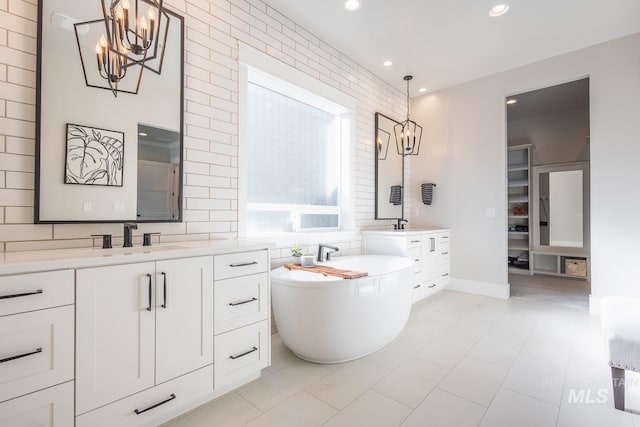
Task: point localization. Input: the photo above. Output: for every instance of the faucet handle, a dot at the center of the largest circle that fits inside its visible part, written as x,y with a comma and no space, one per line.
106,240
146,238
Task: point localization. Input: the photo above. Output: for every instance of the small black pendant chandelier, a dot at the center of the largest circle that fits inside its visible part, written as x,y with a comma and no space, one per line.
133,33
408,133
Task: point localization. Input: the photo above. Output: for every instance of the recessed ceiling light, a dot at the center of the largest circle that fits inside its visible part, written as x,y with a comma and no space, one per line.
387,63
512,101
142,134
499,10
422,89
352,4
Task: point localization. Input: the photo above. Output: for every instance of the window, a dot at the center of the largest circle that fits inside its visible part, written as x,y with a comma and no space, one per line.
294,164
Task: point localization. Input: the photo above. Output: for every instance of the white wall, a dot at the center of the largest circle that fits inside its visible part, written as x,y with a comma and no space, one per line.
213,29
464,153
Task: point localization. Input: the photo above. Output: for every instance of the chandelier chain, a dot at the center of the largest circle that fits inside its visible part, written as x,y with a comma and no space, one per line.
408,100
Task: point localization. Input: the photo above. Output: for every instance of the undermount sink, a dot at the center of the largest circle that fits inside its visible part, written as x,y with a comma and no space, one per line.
133,251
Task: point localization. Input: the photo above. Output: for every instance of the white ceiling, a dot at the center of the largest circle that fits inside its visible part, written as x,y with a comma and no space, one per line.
446,42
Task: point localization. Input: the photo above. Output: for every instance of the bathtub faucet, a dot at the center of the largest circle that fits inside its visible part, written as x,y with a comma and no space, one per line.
321,248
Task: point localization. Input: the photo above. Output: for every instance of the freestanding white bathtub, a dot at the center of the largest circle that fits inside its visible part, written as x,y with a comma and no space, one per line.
326,319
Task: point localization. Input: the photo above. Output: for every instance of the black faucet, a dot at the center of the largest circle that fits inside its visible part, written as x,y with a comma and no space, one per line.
128,234
400,224
321,248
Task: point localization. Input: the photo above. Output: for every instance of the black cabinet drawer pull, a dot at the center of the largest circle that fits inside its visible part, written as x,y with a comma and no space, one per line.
245,264
20,356
164,286
237,356
141,411
431,286
417,259
417,286
25,294
246,301
149,306
445,253
445,274
415,241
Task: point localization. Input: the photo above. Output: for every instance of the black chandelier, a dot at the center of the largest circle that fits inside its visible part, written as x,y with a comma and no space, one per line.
133,38
408,133
135,33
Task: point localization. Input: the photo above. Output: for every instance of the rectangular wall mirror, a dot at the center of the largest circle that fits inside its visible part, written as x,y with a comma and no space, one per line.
389,171
561,207
100,157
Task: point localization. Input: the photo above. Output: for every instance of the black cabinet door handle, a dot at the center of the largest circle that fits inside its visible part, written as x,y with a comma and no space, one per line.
246,301
417,286
20,356
24,294
164,287
149,306
245,264
142,411
445,274
415,241
237,356
431,286
445,253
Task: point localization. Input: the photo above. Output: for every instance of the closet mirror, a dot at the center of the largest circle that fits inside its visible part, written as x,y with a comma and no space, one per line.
561,207
389,171
94,149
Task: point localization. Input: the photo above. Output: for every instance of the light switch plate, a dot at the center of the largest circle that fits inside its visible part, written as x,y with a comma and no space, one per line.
86,207
490,212
118,206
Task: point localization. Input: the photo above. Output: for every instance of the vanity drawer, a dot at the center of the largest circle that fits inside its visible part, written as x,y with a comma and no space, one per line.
414,242
240,301
51,407
241,352
443,253
240,264
151,403
416,255
36,350
27,292
424,289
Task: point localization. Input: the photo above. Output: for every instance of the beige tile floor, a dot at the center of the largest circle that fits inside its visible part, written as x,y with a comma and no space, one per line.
463,360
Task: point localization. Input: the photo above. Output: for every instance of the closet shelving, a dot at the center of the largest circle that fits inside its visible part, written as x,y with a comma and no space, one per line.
519,202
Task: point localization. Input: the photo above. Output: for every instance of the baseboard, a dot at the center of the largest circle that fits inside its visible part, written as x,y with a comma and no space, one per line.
494,290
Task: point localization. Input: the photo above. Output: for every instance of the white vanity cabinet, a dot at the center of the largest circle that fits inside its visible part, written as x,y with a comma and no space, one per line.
157,331
430,249
36,349
139,325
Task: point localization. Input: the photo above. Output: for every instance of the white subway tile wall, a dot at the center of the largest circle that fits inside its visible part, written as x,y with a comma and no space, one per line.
213,30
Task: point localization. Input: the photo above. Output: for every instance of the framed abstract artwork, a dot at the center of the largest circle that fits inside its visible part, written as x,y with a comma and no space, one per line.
94,156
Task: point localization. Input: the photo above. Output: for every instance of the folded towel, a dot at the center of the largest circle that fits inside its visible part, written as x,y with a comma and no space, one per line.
396,195
427,193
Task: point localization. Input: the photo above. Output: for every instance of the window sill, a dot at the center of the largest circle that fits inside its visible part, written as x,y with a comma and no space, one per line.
304,238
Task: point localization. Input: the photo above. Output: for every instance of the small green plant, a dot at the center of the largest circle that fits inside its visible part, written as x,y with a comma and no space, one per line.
296,250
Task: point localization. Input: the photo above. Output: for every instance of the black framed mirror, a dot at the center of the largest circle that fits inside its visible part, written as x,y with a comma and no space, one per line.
389,171
93,149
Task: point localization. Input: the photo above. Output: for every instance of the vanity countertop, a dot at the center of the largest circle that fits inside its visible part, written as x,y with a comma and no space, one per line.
407,231
59,259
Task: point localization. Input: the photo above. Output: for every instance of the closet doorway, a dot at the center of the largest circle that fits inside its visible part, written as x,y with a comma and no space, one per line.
548,207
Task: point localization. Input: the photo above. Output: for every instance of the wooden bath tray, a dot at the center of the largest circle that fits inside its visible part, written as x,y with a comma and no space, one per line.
329,271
